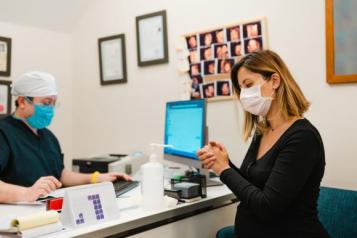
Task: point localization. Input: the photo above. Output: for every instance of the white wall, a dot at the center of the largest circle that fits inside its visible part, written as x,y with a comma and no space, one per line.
37,49
123,118
134,111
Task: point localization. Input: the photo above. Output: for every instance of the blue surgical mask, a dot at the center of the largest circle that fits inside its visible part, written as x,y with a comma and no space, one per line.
42,116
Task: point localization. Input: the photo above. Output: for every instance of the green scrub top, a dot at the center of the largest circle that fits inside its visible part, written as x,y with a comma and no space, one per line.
25,156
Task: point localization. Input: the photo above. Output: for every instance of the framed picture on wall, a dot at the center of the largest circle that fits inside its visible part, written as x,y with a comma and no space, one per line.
5,98
5,56
112,59
151,34
341,41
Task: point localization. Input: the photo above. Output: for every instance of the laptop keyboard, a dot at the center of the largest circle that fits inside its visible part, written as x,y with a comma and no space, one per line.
121,186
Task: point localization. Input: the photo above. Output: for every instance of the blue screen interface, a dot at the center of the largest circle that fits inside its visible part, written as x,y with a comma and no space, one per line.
184,127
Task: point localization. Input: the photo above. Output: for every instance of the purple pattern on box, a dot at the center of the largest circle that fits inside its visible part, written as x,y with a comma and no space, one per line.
80,219
99,213
95,198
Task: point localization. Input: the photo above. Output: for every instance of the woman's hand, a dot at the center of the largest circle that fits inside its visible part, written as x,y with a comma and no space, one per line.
112,176
207,157
222,158
214,156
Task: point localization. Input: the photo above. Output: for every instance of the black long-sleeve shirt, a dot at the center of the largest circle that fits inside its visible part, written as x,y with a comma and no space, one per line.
278,193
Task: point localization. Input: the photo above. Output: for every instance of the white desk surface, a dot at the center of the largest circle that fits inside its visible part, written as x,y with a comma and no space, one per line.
131,215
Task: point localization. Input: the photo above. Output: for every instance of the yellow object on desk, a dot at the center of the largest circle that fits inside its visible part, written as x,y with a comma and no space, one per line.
30,225
94,177
35,220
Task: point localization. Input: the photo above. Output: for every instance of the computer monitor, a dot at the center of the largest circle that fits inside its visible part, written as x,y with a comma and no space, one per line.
186,132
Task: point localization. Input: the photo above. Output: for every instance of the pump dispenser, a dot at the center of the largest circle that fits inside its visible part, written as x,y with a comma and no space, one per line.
152,182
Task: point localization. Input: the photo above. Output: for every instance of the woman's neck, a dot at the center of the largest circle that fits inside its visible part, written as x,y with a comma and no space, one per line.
276,120
275,117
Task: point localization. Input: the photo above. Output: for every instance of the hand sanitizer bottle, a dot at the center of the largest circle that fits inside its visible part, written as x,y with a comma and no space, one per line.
152,181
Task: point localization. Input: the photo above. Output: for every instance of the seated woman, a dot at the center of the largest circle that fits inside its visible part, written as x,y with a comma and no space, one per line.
279,179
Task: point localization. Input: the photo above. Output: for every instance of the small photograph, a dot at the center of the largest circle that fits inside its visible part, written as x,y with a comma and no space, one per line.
194,57
191,41
195,69
225,66
221,51
252,45
208,90
206,53
224,88
209,67
251,30
207,38
195,87
236,49
220,36
196,94
197,79
233,33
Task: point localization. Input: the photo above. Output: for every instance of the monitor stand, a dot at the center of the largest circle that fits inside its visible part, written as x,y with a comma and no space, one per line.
209,182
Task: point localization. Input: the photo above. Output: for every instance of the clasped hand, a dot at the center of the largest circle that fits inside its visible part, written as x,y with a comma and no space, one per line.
214,156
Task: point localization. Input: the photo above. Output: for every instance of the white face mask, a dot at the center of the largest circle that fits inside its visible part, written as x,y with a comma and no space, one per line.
253,101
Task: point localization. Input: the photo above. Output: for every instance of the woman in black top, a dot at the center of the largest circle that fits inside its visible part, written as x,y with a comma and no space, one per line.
279,179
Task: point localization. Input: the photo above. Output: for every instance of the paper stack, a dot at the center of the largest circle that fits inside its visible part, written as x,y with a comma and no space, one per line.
33,225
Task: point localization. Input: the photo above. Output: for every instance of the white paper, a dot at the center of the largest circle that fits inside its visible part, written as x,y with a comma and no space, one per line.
3,56
3,99
151,38
42,230
57,193
112,59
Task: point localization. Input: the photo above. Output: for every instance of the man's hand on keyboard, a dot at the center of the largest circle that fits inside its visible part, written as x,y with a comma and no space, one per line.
112,176
121,186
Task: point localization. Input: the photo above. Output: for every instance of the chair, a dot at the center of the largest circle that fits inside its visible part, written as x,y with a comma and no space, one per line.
226,232
338,212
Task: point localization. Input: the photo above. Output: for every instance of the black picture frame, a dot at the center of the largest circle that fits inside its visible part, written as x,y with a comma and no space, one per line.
5,110
5,56
112,59
157,52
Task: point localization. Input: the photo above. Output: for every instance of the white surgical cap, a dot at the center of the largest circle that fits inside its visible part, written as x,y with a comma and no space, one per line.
35,84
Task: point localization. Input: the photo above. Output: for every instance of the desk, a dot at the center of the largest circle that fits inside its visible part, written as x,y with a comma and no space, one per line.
198,219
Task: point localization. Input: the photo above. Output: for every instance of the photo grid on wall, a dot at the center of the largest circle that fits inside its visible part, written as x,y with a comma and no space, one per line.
213,53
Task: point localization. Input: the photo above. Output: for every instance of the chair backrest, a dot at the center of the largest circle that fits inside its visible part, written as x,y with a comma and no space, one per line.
338,212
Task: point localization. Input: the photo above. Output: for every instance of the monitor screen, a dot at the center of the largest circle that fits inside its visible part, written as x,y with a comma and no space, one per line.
185,126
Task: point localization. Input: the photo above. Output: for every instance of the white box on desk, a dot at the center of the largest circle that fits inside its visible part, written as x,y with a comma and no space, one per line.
89,204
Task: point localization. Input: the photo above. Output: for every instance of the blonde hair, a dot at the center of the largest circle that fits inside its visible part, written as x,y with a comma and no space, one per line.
289,97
